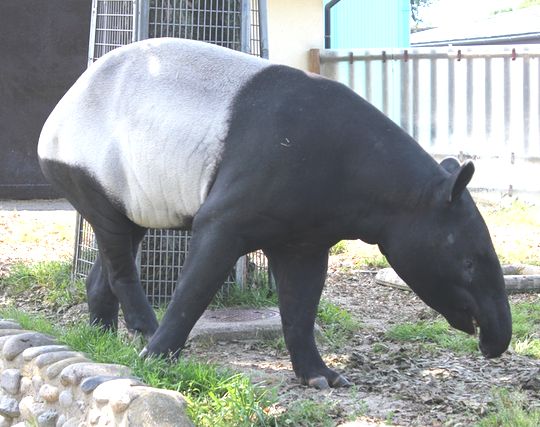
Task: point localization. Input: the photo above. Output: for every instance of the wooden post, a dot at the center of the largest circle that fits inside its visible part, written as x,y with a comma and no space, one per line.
315,61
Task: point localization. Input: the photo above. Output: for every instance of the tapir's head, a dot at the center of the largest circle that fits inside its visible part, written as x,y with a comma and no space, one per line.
442,249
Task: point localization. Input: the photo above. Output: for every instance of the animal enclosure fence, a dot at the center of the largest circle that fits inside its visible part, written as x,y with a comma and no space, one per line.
478,102
235,24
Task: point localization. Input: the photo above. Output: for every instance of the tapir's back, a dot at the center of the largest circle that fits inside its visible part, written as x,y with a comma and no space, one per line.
147,122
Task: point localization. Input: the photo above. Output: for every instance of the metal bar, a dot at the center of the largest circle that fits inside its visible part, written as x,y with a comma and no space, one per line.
385,88
92,36
351,76
488,98
526,103
367,65
469,97
263,29
415,98
507,99
451,98
405,98
245,36
433,100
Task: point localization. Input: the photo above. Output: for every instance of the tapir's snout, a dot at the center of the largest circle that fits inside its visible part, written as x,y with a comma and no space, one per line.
495,329
494,320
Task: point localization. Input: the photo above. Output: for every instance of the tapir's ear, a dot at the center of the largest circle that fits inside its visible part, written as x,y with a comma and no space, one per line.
450,164
459,178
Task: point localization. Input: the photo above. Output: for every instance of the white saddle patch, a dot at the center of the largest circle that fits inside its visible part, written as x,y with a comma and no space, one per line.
148,121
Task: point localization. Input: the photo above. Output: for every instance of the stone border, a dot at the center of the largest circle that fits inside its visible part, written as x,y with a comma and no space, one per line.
518,279
46,384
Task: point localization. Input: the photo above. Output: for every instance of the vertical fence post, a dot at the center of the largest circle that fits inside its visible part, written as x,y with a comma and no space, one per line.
433,101
143,18
507,97
263,28
526,102
470,97
451,97
315,61
488,98
405,97
245,32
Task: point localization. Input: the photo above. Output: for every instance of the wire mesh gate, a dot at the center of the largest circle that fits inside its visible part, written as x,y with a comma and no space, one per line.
235,24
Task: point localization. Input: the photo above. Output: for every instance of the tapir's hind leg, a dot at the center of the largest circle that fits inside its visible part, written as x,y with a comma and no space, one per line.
300,277
117,252
102,303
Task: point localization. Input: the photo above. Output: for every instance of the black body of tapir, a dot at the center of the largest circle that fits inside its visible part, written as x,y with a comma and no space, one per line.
171,133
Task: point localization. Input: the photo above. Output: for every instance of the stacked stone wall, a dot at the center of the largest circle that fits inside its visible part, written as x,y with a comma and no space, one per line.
46,384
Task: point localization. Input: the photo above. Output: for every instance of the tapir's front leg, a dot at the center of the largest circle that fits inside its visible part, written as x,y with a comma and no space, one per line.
214,248
300,277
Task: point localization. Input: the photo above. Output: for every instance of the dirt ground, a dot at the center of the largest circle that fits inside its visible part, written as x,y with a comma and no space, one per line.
397,384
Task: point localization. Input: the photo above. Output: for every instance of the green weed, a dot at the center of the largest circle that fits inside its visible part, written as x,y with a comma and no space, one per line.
339,248
526,328
376,261
510,409
337,323
513,229
525,325
236,296
307,413
53,276
437,332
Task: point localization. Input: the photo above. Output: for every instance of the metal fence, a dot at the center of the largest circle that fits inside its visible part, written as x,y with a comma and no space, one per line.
119,15
479,102
236,24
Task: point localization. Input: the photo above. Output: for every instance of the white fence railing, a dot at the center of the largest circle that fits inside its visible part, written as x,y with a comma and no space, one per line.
480,102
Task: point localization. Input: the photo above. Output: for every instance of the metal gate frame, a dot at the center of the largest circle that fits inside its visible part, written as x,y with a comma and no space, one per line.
115,23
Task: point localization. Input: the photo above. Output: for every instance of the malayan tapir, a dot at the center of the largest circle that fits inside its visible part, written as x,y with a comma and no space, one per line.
170,133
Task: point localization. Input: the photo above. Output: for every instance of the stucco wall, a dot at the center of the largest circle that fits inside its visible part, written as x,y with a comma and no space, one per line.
294,27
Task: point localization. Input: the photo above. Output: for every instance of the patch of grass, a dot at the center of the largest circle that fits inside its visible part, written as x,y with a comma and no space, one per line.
53,276
436,332
276,344
307,413
510,409
525,325
235,296
339,248
337,323
513,230
375,261
30,322
526,328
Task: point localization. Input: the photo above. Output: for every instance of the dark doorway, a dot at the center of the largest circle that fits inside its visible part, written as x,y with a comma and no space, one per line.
43,49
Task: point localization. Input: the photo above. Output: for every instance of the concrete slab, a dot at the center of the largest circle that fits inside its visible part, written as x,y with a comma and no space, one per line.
230,324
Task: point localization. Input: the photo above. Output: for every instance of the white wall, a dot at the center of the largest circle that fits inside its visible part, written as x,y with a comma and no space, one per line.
294,27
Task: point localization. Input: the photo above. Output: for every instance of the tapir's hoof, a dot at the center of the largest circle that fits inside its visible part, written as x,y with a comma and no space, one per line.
144,353
322,383
341,381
